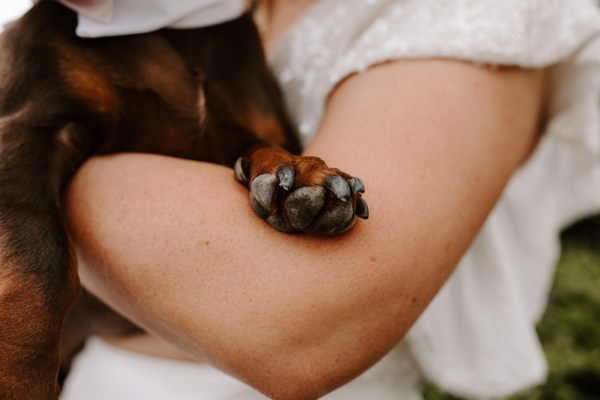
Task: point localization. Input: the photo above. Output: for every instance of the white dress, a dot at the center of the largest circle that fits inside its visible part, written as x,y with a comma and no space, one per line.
477,339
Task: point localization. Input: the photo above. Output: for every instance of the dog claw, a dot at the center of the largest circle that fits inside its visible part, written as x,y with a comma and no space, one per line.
362,210
241,170
356,185
286,177
263,189
338,186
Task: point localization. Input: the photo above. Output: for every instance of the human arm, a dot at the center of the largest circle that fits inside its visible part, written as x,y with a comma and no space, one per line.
174,246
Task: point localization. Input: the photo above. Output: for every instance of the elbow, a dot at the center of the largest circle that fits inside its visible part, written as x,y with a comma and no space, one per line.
293,392
289,373
302,373
283,385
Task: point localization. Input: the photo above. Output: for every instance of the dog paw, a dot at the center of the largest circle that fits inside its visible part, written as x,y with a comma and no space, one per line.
301,194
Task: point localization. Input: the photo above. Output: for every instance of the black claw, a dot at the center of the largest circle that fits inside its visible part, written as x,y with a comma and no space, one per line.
286,177
258,208
339,187
362,210
241,168
263,189
356,185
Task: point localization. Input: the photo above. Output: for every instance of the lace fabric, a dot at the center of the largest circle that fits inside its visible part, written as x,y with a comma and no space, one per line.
337,38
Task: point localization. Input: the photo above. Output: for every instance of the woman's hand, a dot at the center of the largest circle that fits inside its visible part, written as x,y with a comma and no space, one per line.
174,246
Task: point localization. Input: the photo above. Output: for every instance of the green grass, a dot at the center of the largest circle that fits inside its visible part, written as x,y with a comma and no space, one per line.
570,329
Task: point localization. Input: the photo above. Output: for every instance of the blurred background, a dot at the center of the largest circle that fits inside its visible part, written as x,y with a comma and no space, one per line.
570,329
11,9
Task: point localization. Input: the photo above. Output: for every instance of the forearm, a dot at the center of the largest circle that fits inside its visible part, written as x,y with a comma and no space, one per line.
174,245
226,286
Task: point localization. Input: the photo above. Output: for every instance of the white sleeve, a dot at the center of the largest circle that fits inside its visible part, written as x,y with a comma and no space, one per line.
338,38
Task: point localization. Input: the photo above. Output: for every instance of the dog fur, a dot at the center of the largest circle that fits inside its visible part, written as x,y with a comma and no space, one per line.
204,94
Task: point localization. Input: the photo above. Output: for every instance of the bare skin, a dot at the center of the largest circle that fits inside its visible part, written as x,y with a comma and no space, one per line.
174,245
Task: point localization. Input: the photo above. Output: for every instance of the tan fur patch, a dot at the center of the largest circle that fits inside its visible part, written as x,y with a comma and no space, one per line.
266,127
86,82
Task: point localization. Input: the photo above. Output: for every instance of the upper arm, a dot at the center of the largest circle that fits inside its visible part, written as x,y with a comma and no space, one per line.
434,142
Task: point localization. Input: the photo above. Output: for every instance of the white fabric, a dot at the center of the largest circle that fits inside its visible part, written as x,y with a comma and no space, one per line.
99,18
97,10
477,339
104,372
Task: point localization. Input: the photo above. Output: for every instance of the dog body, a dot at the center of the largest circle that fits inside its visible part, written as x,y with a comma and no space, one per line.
204,94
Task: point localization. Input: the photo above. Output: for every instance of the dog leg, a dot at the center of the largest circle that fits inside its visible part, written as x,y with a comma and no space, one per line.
38,277
301,194
38,284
